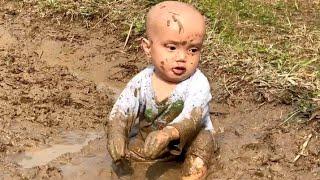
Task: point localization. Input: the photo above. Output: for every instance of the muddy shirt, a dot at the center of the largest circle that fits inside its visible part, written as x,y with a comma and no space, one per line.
187,108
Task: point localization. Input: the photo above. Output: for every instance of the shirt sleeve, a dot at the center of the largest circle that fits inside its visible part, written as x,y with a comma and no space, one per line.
195,113
125,110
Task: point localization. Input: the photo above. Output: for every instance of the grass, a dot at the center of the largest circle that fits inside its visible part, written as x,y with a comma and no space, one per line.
270,49
269,46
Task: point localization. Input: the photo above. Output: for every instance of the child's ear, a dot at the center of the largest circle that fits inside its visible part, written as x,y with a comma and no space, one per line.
146,46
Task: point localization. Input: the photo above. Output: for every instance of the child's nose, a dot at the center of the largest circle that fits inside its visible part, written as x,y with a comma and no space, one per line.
181,56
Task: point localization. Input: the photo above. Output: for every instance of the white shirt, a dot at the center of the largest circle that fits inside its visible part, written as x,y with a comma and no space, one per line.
138,100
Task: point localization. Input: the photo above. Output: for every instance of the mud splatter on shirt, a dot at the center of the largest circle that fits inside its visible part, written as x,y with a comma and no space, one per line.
138,100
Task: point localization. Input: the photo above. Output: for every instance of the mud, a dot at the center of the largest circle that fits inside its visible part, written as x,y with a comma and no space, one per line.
253,144
168,23
192,165
179,23
59,78
188,128
70,142
203,146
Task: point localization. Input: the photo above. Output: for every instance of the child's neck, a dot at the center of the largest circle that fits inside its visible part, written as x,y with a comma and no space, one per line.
161,87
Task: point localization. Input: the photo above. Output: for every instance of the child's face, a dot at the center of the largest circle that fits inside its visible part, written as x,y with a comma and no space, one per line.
175,50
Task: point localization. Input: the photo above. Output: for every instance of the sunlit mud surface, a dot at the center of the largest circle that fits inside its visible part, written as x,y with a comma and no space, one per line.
69,142
79,155
97,167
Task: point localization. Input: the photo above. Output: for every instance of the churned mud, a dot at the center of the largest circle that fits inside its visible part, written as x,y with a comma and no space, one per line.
58,83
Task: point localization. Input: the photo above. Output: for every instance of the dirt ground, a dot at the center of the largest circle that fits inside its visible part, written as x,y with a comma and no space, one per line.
58,83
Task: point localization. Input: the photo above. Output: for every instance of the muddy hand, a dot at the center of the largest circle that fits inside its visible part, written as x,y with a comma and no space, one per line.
116,147
157,141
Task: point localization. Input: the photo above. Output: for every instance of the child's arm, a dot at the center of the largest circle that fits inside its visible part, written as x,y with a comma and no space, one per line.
122,119
196,108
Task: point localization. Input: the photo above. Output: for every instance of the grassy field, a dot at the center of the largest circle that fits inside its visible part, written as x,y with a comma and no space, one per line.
269,49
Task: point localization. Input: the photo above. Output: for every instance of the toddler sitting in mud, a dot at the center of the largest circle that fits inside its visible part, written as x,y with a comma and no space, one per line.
163,111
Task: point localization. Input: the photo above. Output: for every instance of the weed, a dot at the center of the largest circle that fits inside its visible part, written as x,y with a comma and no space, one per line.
139,25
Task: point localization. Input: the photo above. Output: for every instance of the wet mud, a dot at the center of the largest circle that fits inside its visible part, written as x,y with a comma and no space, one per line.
57,85
71,142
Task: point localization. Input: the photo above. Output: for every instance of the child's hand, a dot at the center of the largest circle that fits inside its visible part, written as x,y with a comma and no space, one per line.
116,147
157,141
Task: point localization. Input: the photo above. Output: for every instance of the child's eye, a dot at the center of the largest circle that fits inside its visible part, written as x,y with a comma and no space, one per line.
194,50
171,47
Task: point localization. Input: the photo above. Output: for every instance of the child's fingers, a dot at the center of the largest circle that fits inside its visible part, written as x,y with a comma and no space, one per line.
155,152
116,150
112,151
149,144
145,147
153,142
119,149
157,148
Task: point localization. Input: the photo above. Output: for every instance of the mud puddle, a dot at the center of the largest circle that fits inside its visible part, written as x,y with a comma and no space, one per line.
69,142
99,166
96,166
82,156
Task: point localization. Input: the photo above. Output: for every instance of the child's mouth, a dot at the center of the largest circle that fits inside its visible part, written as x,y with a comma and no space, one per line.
179,70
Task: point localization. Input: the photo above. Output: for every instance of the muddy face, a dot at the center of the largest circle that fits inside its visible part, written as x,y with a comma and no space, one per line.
170,29
175,60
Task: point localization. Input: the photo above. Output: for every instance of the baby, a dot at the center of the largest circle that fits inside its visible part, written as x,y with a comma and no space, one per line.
163,112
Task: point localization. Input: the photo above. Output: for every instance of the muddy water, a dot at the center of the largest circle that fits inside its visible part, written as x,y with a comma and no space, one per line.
88,159
69,142
83,163
94,163
95,166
